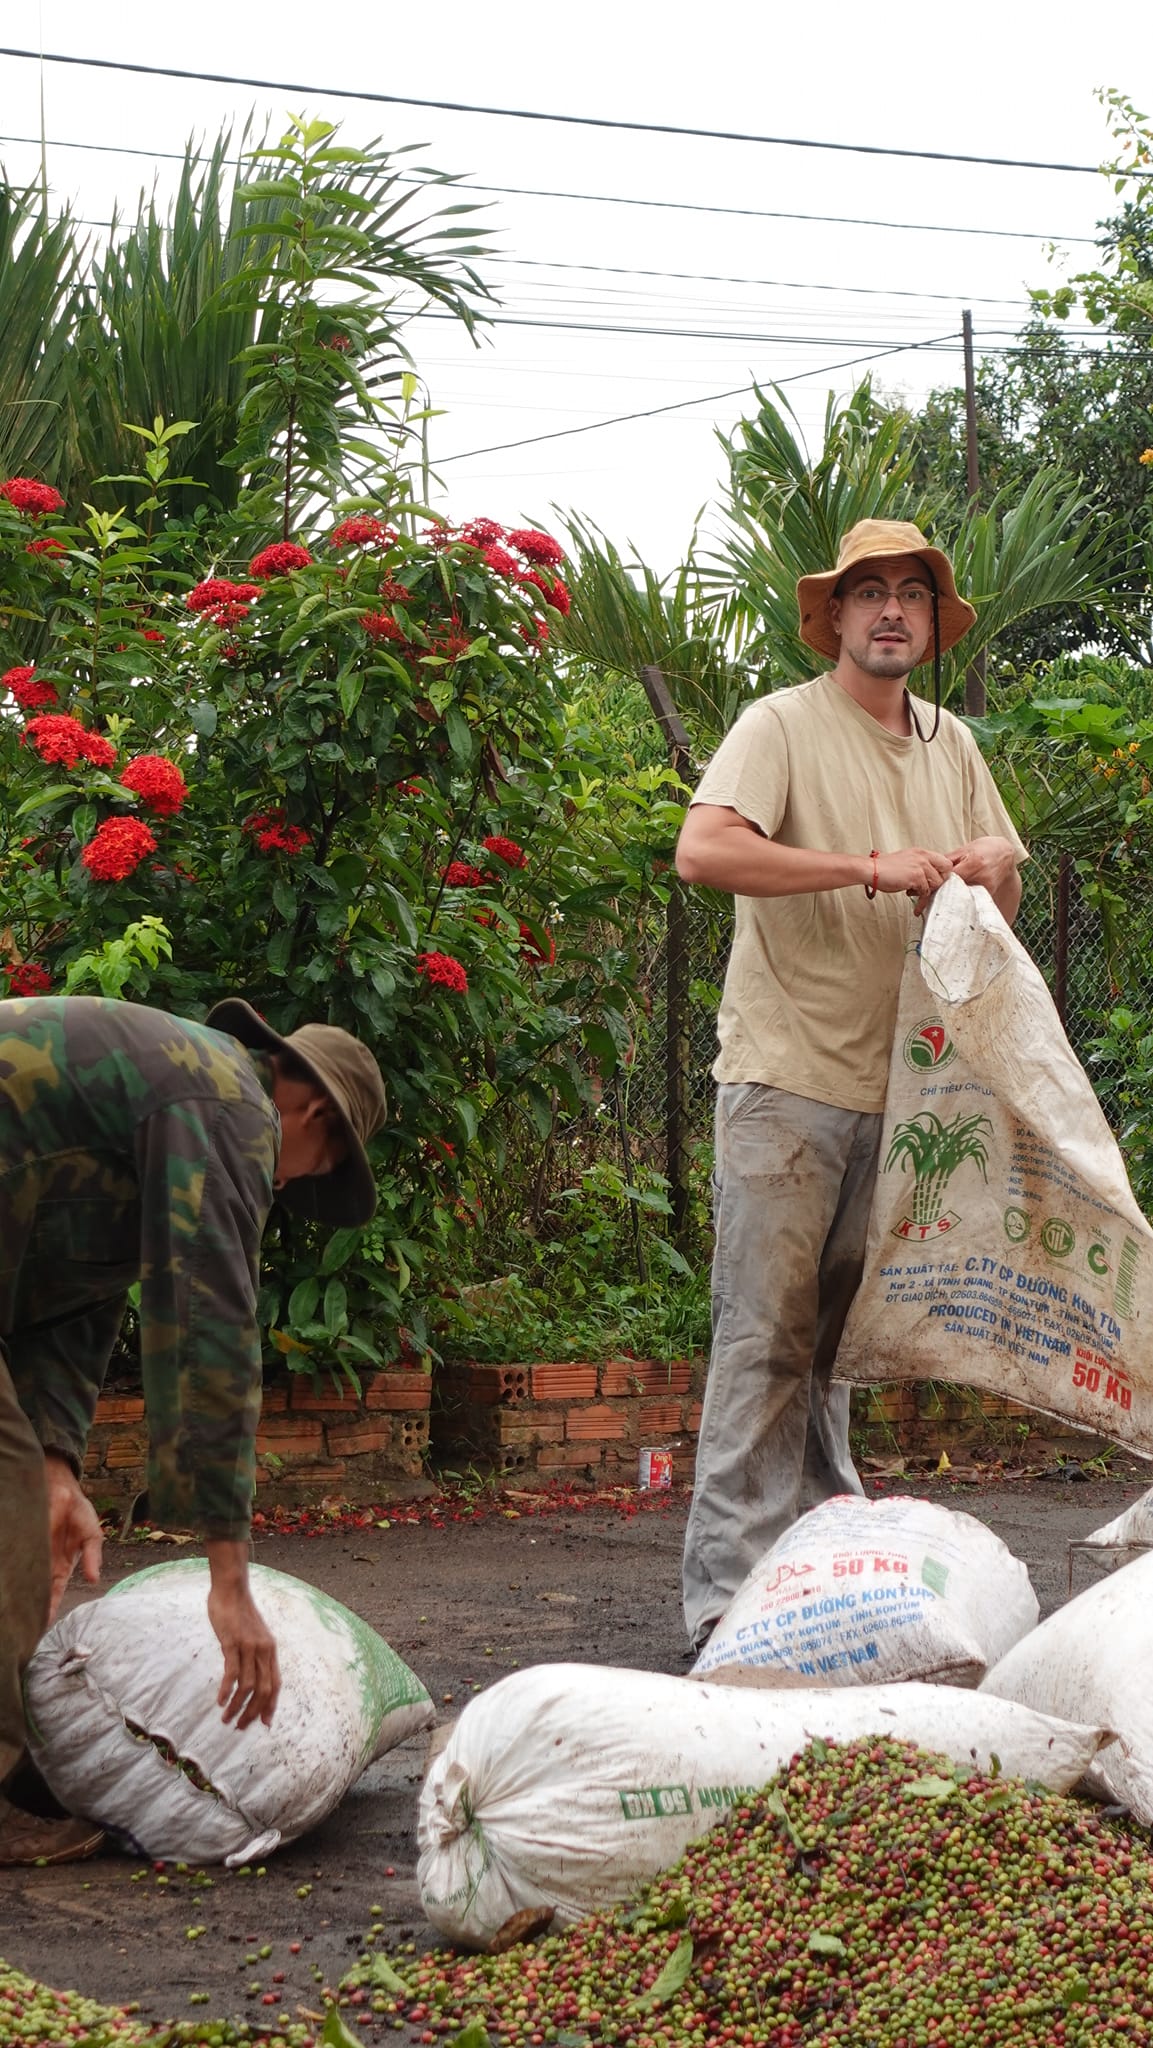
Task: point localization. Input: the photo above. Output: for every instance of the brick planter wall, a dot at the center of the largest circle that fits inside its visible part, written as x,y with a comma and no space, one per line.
311,1442
579,1420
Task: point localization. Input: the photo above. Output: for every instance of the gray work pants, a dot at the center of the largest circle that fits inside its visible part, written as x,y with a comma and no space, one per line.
25,1580
793,1182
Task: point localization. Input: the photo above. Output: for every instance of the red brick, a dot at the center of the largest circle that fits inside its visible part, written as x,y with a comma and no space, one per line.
93,1458
305,1399
398,1390
346,1439
658,1419
274,1400
289,1436
552,1457
486,1385
596,1425
645,1376
119,1408
123,1453
564,1382
693,1416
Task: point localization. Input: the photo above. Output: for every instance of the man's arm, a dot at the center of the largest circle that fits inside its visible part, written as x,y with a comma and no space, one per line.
205,1169
723,850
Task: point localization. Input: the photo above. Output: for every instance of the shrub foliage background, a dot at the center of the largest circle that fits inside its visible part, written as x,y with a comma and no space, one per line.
294,739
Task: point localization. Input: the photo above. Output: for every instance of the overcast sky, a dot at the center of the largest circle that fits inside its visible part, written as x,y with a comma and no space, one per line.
990,80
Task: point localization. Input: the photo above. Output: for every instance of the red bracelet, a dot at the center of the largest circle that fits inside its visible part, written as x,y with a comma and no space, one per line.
871,887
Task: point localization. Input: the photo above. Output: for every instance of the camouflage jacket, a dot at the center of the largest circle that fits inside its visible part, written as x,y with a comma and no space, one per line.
137,1146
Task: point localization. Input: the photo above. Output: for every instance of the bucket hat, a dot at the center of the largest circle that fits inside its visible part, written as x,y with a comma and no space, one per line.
351,1079
871,540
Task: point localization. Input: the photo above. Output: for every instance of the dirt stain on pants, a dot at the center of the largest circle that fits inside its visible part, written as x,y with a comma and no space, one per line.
793,1183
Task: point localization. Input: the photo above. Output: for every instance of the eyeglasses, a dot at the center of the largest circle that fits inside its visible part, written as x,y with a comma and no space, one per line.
870,597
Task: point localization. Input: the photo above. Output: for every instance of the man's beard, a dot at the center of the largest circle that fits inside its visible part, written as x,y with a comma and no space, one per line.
887,661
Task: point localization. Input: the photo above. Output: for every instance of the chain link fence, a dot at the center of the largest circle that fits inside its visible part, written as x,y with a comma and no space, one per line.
1086,918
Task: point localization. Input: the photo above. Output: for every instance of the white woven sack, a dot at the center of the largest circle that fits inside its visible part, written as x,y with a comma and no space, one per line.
1094,1657
124,1724
568,1785
1132,1531
862,1592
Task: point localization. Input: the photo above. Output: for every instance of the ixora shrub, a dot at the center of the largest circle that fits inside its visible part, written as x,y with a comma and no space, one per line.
335,775
271,728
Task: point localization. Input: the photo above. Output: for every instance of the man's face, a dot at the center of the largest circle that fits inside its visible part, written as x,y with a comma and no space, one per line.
884,614
311,1134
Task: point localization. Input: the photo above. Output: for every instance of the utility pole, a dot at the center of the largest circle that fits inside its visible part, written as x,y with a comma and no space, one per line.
975,698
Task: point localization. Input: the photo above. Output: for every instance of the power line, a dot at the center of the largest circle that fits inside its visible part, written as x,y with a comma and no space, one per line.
392,99
844,220
780,284
712,398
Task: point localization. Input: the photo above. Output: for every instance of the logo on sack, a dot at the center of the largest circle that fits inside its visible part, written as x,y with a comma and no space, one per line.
1018,1223
935,1151
928,1047
1058,1237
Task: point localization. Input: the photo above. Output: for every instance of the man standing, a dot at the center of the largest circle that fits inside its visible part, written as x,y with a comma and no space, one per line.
832,812
136,1146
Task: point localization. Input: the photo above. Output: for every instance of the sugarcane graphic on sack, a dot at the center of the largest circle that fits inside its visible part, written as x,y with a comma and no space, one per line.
935,1150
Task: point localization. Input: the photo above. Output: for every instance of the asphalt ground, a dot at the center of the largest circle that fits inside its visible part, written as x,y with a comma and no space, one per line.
464,1602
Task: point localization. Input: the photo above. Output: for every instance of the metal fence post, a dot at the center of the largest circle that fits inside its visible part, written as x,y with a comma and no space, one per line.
676,980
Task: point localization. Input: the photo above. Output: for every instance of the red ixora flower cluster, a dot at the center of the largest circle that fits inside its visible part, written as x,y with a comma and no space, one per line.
65,741
272,835
443,972
460,874
45,547
507,850
278,560
362,531
223,601
116,848
552,589
538,548
29,690
28,979
157,782
27,495
382,626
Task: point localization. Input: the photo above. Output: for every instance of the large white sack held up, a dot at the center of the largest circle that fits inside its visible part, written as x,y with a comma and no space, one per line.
1005,1248
1095,1655
1131,1531
568,1785
861,1592
124,1725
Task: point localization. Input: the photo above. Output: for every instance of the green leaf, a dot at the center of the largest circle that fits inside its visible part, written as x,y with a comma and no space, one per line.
302,1302
932,1788
350,689
381,1973
202,718
461,738
475,2035
334,2033
279,951
335,1307
284,897
84,821
338,1250
826,1945
672,1978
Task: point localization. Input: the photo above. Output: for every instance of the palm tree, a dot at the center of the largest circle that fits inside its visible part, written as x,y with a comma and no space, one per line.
41,263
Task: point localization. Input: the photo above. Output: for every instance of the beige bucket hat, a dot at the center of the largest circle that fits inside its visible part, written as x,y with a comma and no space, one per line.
350,1077
870,541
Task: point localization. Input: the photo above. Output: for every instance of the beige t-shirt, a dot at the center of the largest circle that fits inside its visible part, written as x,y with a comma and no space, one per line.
810,994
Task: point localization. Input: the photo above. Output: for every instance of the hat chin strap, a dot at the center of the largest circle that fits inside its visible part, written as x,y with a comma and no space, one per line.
936,668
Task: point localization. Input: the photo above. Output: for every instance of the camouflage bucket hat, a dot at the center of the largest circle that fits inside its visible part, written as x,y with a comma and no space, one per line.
351,1079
